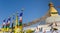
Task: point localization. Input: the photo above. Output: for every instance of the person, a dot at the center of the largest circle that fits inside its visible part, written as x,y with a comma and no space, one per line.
55,24
44,31
51,27
37,30
54,28
41,29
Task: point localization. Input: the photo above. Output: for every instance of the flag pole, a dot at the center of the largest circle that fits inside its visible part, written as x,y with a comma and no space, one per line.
12,23
16,21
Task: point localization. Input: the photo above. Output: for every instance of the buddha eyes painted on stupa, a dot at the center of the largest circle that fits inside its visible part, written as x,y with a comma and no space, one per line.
53,12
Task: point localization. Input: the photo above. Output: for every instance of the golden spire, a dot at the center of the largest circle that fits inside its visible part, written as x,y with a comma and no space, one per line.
52,10
51,4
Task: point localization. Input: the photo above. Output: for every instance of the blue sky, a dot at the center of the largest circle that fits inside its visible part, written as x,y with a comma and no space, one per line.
33,9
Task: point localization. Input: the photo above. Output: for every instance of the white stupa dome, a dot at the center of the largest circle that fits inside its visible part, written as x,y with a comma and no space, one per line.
53,19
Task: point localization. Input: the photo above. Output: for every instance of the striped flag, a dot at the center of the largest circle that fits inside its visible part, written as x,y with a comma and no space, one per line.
3,24
12,26
16,26
20,22
8,22
16,19
12,23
